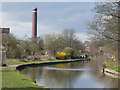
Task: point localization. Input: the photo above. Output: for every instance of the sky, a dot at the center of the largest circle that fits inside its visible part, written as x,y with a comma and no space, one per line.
53,17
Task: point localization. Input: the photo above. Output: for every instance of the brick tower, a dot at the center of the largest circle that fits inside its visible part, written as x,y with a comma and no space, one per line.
34,23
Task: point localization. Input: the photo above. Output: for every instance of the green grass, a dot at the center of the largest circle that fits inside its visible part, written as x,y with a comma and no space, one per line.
111,65
12,79
29,62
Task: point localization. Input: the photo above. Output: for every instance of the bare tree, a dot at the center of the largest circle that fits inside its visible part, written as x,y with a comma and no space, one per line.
53,42
69,36
105,24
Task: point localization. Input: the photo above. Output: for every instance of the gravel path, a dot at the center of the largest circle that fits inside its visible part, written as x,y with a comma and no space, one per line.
12,66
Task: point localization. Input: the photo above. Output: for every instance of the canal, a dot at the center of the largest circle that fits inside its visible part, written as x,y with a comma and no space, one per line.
70,75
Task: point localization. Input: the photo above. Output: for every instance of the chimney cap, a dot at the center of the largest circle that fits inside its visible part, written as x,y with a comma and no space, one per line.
34,9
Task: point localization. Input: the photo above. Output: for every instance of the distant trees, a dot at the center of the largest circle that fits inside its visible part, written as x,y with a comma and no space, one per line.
71,53
58,42
53,43
69,36
36,46
21,48
11,46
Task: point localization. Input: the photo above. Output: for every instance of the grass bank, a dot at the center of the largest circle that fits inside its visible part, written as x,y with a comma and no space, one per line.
12,79
111,65
30,62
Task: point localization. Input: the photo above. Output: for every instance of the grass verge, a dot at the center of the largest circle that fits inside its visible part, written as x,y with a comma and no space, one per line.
30,62
112,66
12,79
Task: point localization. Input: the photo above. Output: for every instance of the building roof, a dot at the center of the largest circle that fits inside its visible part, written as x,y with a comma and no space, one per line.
5,30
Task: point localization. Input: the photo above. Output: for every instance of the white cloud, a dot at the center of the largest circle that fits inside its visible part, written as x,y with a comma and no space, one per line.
83,36
20,29
50,19
43,28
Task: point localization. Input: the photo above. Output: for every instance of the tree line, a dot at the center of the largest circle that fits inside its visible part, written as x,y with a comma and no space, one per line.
51,43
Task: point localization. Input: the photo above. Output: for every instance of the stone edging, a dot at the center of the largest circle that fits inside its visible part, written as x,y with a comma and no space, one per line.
111,72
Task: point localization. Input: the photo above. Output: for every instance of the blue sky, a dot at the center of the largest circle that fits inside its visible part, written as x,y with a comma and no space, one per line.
52,17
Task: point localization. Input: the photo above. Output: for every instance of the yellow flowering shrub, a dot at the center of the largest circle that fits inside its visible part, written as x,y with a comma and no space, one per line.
61,55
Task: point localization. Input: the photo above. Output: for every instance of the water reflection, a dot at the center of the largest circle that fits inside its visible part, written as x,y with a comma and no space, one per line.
63,69
71,75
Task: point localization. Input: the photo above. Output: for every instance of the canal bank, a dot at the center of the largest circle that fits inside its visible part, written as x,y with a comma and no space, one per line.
110,68
20,67
111,73
70,75
13,79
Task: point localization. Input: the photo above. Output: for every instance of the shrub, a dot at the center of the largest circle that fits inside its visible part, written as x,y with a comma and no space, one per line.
70,52
61,55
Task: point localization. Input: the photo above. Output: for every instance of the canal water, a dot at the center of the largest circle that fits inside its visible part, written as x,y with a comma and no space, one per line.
70,75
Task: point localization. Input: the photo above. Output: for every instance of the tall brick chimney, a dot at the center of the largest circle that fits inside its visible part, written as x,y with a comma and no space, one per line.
34,23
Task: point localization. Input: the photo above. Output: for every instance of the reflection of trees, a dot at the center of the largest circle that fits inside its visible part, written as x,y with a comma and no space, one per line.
69,65
29,72
100,77
57,79
67,79
107,81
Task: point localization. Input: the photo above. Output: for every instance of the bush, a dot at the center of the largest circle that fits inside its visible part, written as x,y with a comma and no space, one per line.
70,53
61,55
